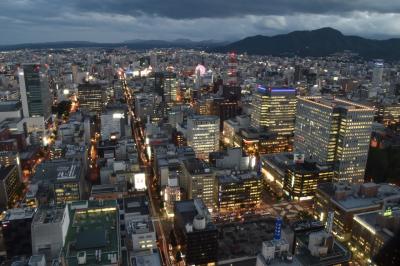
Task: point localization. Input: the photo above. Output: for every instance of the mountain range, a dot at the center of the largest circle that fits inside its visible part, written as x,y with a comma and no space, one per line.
131,44
320,42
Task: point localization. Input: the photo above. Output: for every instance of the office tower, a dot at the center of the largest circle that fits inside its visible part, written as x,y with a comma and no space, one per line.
377,73
223,108
153,61
159,83
170,87
166,85
10,186
203,134
34,90
16,229
196,233
232,79
114,122
334,131
274,110
237,193
90,98
198,181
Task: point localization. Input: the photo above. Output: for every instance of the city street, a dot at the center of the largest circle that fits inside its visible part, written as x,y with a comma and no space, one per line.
145,166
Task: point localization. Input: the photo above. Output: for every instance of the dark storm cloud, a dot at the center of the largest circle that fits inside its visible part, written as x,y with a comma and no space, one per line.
186,9
119,20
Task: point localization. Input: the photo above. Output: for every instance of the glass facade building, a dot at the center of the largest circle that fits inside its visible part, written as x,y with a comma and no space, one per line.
274,109
334,131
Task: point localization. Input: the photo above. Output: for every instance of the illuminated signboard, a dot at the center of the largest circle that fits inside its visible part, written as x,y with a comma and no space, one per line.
262,89
140,182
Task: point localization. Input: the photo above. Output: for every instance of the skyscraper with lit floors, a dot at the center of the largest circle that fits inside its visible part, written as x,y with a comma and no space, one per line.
203,134
334,131
274,110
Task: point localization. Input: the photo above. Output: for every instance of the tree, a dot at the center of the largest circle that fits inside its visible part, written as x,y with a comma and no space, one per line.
63,108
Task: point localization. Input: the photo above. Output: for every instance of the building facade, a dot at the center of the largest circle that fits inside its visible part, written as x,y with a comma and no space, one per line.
203,135
274,109
334,131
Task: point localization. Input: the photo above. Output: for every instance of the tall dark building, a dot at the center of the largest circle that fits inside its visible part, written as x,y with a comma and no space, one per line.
225,109
196,233
35,92
159,83
16,229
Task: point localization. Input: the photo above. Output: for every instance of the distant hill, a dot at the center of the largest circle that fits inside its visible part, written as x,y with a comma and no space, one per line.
133,44
320,42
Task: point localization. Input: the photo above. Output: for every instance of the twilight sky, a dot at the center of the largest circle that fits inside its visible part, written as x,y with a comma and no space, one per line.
119,20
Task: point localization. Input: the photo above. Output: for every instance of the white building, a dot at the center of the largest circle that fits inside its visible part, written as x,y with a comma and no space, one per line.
203,134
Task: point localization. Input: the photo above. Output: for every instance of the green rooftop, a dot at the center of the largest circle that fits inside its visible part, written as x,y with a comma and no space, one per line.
93,226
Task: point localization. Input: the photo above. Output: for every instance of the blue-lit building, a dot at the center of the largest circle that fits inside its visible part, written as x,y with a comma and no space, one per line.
274,110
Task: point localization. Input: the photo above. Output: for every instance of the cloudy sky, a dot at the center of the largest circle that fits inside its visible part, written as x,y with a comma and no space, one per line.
118,20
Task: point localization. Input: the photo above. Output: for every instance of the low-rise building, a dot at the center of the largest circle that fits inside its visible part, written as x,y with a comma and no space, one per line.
347,200
49,230
196,233
93,236
372,230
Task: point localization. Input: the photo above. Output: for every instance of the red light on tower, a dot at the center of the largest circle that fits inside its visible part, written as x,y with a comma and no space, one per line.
232,71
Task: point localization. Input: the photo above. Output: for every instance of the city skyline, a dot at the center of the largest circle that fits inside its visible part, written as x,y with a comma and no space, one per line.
121,20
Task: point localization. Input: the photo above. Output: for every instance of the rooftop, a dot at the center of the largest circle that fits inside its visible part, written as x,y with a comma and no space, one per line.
197,166
189,209
46,215
354,199
336,102
370,221
244,240
17,214
58,171
8,106
338,255
224,179
93,233
152,259
137,204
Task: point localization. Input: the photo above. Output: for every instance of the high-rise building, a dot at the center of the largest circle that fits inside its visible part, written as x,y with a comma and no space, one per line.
166,85
238,192
377,73
196,233
34,90
203,134
334,131
114,122
90,97
274,109
198,181
10,186
170,87
36,100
